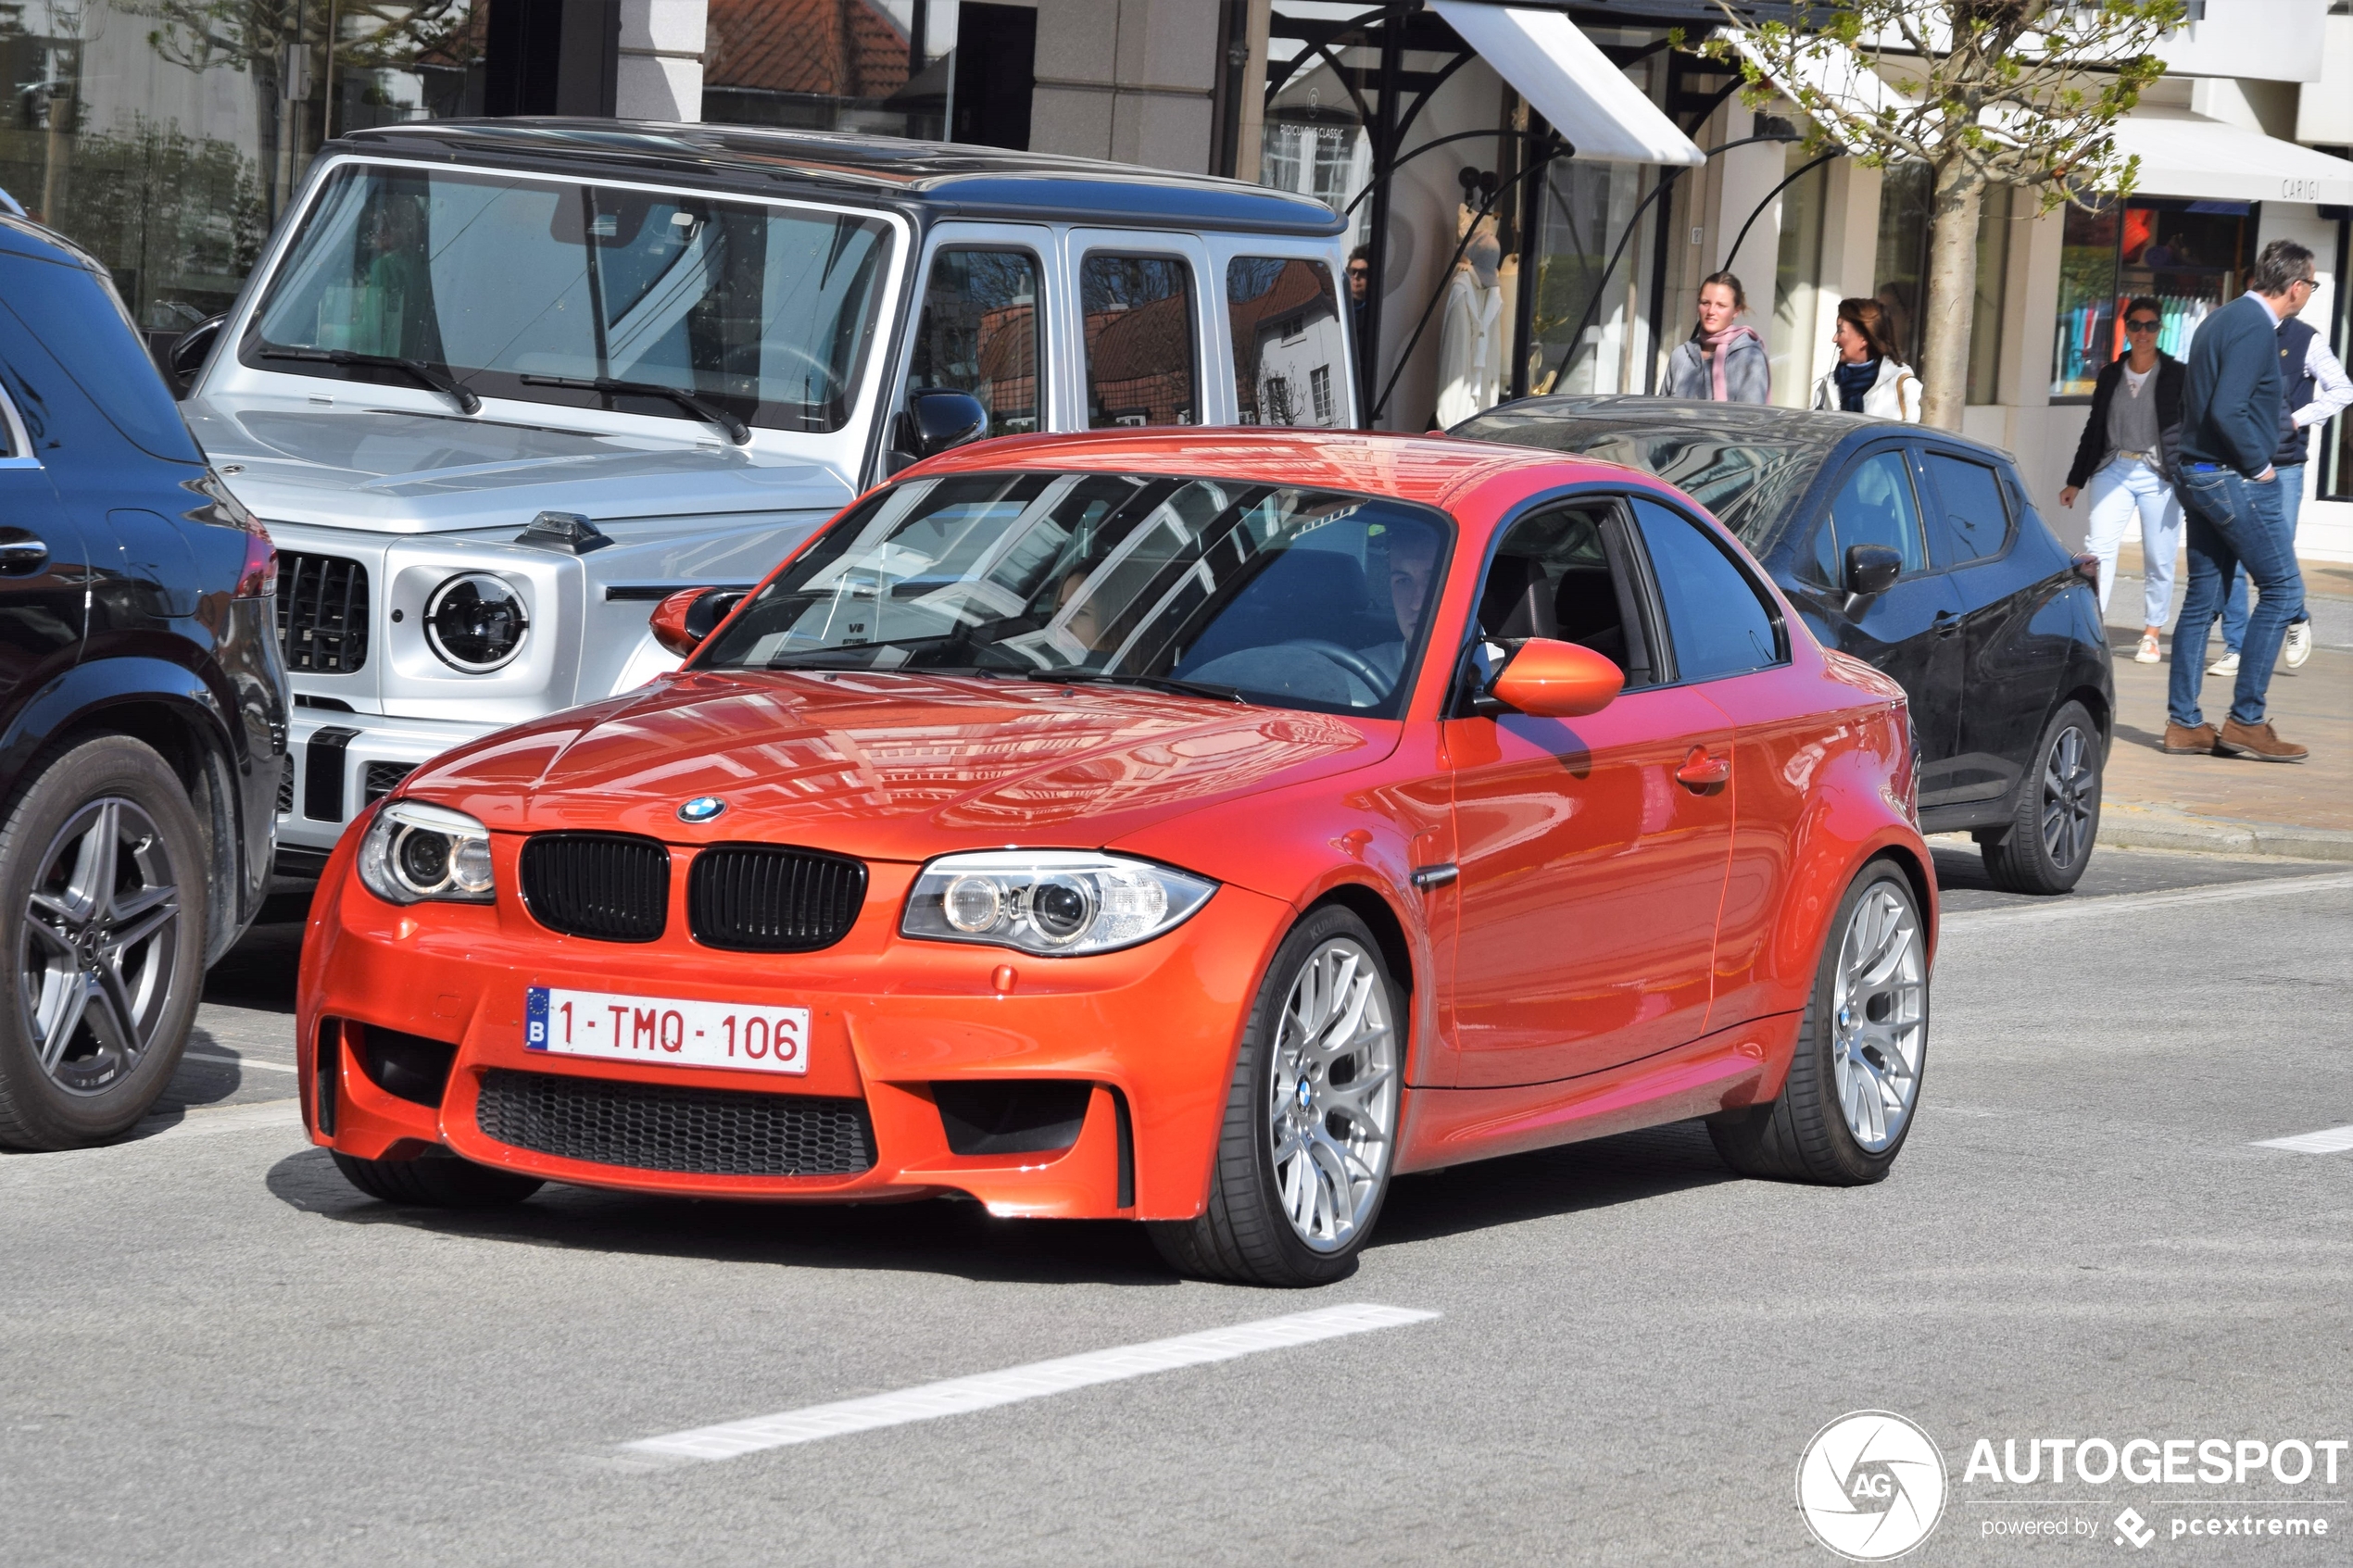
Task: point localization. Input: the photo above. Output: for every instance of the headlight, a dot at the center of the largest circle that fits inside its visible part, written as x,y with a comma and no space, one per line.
414,852
476,622
1056,902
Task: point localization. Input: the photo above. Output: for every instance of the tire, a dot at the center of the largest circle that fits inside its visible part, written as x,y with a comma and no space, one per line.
1275,1221
436,1180
2049,838
1822,1128
104,981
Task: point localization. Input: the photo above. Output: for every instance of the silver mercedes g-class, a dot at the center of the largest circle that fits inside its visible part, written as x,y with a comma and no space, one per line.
498,387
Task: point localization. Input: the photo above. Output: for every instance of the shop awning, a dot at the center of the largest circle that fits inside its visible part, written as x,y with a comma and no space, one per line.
1570,83
2189,155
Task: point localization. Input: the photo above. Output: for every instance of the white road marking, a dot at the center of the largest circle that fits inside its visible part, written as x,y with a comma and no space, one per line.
239,1061
2328,1140
957,1395
2134,903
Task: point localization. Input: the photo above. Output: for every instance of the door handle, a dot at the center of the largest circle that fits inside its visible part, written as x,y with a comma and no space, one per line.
1946,623
21,558
1700,771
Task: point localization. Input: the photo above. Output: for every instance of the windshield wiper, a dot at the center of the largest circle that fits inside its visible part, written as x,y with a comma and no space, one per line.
432,376
737,432
1157,682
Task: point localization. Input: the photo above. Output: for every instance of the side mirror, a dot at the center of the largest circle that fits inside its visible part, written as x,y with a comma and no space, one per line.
681,621
189,351
1555,679
937,419
1871,568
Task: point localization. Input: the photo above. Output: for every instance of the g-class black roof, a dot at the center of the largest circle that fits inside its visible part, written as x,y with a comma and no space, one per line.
932,179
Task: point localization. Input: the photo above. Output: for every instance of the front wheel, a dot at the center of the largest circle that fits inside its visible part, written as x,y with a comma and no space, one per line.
2049,838
1311,1117
1855,1080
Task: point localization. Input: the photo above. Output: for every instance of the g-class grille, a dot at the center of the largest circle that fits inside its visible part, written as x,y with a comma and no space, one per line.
322,612
667,1127
613,887
756,899
385,777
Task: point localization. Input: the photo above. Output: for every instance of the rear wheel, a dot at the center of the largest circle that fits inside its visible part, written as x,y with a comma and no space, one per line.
438,1179
1854,1081
2049,838
1311,1117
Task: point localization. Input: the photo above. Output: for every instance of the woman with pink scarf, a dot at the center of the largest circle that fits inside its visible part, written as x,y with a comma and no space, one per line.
1720,363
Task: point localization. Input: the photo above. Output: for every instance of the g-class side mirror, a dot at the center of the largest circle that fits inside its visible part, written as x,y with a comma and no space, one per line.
1871,568
937,419
1547,679
189,351
681,621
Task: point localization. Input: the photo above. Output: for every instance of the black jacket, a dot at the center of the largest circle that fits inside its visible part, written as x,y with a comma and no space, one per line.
2297,382
2093,447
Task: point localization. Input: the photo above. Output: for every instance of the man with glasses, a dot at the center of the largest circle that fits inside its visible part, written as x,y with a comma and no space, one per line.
2125,453
2313,388
2230,492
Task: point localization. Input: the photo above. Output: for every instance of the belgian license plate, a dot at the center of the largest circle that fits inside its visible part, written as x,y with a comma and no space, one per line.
666,1030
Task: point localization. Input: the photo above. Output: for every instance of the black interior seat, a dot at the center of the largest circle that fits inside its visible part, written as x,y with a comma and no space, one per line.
1585,608
1516,601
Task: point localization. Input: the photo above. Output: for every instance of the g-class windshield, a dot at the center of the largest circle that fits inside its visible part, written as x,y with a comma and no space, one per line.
1261,593
647,302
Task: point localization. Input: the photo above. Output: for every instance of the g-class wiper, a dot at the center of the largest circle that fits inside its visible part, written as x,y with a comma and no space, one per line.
737,432
432,376
1156,682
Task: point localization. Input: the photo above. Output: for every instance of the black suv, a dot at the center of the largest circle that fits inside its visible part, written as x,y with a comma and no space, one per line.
143,706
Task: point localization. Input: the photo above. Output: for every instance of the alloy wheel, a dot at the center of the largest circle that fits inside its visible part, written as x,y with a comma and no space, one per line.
2071,788
1878,1018
95,976
1332,1094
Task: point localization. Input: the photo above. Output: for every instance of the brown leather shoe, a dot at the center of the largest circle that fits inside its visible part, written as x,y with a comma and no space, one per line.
2260,742
2180,742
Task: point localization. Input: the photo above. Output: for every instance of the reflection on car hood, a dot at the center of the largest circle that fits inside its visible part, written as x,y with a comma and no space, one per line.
889,766
422,473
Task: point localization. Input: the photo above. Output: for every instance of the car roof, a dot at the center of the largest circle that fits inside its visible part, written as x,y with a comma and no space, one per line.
1434,469
1620,411
22,236
935,177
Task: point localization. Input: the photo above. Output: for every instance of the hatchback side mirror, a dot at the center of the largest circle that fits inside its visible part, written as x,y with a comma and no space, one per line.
683,620
1871,568
189,351
1554,680
938,419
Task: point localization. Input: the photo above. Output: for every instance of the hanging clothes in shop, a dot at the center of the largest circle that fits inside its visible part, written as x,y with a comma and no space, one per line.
1473,338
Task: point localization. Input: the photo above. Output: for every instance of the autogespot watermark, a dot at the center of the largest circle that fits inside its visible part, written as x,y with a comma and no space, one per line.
1872,1484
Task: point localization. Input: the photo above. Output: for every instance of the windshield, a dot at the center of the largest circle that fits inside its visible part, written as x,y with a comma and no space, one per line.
1298,599
763,312
1749,482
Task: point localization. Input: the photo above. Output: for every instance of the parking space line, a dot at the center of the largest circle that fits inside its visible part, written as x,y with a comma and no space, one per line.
2328,1140
239,1061
957,1395
2135,903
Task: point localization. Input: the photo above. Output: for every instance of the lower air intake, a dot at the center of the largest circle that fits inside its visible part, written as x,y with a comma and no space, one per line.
664,1127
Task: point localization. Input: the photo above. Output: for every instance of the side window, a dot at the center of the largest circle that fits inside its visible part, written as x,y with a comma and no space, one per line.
1290,365
981,333
1141,364
1716,621
1976,522
1817,563
1876,506
1557,575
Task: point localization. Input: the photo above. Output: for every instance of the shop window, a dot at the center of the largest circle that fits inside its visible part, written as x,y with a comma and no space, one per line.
2191,254
1578,343
1906,199
980,333
1288,340
1141,368
1791,337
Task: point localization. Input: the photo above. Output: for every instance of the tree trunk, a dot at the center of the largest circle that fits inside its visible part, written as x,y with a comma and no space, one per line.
1951,294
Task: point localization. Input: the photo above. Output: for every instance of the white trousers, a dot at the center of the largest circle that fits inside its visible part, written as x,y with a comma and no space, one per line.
2118,492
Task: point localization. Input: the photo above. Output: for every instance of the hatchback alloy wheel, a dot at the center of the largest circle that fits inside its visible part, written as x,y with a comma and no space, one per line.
100,945
2055,822
2071,794
1332,1096
1879,1018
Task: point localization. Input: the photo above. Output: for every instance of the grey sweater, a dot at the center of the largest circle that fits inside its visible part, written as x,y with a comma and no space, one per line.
1747,375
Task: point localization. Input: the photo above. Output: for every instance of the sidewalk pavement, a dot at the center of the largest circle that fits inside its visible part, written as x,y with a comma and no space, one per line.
2230,805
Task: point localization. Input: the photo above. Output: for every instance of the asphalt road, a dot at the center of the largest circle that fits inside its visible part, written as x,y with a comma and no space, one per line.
213,1350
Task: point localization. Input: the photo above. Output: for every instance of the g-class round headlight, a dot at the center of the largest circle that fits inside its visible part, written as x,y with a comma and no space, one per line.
416,851
1054,902
476,622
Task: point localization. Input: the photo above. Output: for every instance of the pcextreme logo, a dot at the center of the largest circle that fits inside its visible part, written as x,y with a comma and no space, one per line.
1871,1486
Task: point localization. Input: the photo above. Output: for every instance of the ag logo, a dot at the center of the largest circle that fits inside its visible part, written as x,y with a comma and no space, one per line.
1871,1486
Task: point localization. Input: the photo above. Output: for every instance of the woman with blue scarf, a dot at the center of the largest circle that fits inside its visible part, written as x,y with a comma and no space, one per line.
1868,378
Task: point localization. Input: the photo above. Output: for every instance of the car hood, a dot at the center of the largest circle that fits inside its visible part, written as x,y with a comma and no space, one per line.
421,474
889,767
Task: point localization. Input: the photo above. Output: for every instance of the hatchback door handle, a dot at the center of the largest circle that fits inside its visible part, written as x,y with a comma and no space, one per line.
21,557
1947,623
1702,771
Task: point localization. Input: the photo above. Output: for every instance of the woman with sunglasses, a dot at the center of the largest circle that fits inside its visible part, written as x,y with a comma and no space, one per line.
2125,454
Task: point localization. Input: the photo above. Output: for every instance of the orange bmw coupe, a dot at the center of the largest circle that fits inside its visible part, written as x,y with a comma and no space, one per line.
1200,827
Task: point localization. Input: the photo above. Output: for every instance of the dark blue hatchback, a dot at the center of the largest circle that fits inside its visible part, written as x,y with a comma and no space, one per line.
143,706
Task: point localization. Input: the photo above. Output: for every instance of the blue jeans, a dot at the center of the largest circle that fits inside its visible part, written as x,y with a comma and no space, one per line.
2234,602
2232,519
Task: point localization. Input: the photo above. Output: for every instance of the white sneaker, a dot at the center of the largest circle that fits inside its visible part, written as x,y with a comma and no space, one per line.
2299,645
2147,654
2226,665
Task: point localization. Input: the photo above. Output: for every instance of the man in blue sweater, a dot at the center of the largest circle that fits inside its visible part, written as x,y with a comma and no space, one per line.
2231,497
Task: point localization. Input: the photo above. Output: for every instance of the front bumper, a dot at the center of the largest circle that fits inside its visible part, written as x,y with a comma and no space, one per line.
1152,1031
342,763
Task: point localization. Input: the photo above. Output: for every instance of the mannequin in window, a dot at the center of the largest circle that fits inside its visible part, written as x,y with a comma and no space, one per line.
1474,335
